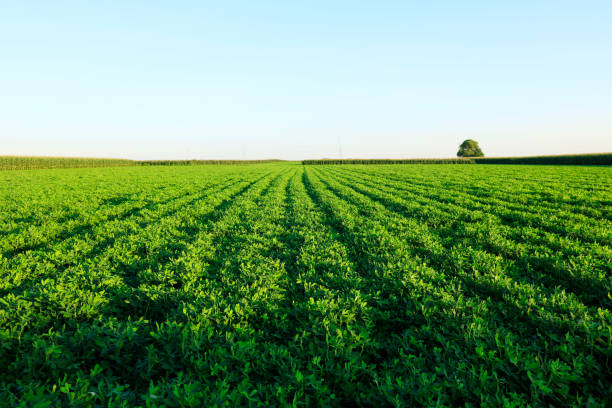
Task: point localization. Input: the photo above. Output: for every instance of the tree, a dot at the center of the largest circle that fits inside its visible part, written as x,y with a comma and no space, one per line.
469,148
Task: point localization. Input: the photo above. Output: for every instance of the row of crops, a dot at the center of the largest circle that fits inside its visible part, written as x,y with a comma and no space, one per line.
201,162
284,284
389,161
570,159
29,163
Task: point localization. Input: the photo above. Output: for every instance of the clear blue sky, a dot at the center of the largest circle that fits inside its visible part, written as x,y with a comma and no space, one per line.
249,79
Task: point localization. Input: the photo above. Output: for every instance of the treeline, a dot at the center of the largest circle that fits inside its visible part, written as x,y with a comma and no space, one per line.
199,162
568,159
389,161
25,163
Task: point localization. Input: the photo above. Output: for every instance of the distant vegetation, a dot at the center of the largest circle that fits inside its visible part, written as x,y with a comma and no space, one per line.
583,159
25,163
389,161
470,148
575,159
198,162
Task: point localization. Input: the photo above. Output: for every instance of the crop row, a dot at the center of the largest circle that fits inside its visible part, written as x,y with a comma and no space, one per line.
282,284
29,163
568,159
24,163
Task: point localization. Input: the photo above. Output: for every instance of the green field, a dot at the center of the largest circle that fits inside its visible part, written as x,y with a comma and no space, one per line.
289,285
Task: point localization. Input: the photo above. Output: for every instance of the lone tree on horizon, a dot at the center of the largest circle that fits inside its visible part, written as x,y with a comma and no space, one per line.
469,148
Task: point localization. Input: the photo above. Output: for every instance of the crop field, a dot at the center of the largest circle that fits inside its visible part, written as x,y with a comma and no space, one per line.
288,285
27,163
565,159
41,162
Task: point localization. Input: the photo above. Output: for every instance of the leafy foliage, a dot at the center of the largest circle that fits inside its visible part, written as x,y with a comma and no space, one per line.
289,285
469,148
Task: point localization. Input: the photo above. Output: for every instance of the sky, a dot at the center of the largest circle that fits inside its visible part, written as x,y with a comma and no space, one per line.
299,80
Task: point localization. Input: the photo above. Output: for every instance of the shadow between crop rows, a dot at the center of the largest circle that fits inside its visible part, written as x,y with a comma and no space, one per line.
589,291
